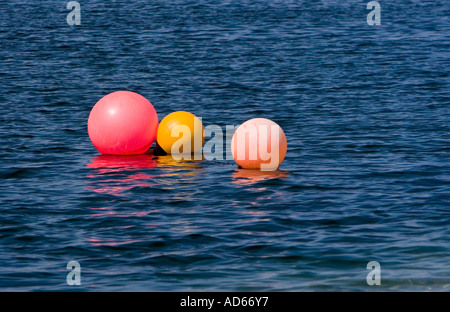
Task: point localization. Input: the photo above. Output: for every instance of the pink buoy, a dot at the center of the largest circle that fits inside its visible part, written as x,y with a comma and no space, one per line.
259,143
123,123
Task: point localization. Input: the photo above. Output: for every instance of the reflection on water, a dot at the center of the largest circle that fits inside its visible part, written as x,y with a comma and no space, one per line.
115,175
169,163
251,176
176,171
108,212
138,176
111,243
113,163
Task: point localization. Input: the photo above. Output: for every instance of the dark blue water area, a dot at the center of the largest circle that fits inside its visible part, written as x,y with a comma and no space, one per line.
366,178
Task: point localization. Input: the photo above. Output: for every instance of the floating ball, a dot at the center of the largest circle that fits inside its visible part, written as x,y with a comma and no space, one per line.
180,132
259,143
123,123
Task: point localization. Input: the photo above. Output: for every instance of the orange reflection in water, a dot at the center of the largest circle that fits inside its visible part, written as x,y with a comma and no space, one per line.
252,176
178,170
169,162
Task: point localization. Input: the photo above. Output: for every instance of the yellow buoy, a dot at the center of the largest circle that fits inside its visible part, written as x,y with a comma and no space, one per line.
180,132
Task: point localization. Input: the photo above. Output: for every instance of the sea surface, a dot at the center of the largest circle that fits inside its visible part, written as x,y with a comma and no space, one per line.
366,112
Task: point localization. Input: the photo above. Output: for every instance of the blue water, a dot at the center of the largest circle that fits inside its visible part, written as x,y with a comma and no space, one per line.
366,178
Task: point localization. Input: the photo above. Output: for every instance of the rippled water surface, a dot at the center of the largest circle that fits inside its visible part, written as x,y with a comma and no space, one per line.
366,177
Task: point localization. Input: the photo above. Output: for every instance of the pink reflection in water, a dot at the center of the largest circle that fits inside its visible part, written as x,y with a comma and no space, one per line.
121,174
115,175
110,213
98,242
113,163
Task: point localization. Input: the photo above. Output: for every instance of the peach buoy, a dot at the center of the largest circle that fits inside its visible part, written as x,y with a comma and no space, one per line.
259,143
